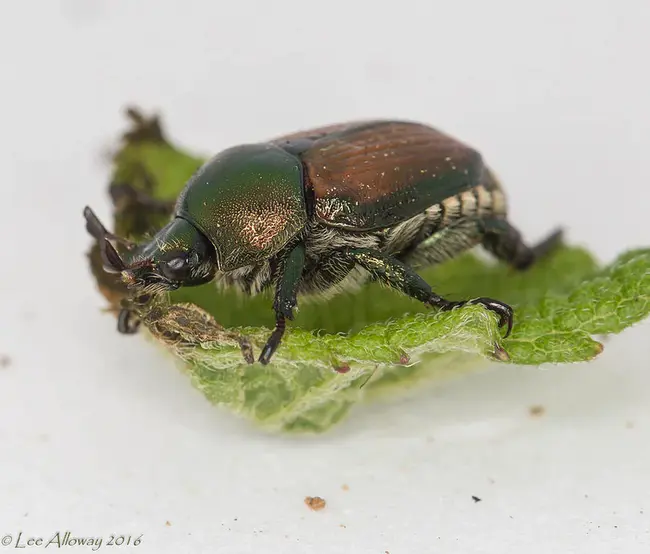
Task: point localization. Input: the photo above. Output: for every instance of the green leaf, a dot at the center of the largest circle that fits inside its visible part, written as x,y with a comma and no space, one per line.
340,351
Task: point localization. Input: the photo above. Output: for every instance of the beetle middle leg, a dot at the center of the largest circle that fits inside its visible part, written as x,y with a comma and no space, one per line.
404,279
289,271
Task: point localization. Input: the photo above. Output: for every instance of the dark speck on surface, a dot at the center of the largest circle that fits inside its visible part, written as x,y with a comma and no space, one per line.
476,499
5,361
536,411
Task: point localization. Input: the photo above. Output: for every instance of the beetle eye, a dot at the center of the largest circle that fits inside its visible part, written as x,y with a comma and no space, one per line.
176,268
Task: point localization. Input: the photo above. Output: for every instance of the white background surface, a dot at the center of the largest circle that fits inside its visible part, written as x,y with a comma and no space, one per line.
100,435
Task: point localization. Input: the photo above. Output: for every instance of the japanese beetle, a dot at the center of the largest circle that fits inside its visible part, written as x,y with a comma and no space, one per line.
325,209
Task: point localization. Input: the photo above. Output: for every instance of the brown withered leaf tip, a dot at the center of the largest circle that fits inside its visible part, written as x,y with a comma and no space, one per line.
315,503
144,128
536,410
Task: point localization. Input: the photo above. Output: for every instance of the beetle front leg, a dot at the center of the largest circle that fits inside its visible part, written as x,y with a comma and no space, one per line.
292,263
128,318
128,322
401,277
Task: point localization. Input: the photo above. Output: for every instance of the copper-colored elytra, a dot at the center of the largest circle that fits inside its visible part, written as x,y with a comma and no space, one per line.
399,155
374,145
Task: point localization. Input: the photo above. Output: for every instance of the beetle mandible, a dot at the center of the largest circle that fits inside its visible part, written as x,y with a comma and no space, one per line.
322,210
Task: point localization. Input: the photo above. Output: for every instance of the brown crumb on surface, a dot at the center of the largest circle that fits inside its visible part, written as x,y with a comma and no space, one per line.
342,525
315,502
5,361
168,523
345,487
536,410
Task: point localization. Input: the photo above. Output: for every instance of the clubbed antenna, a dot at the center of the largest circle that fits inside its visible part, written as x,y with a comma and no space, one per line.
112,261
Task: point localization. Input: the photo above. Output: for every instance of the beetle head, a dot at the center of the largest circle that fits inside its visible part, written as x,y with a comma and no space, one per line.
179,255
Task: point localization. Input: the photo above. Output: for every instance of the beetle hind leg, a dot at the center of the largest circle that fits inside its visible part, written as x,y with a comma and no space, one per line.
401,277
505,243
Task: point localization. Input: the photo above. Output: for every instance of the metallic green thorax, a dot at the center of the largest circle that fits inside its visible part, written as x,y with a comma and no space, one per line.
248,200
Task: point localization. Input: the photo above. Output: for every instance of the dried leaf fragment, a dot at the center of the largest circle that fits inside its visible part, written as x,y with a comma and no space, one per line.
315,503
